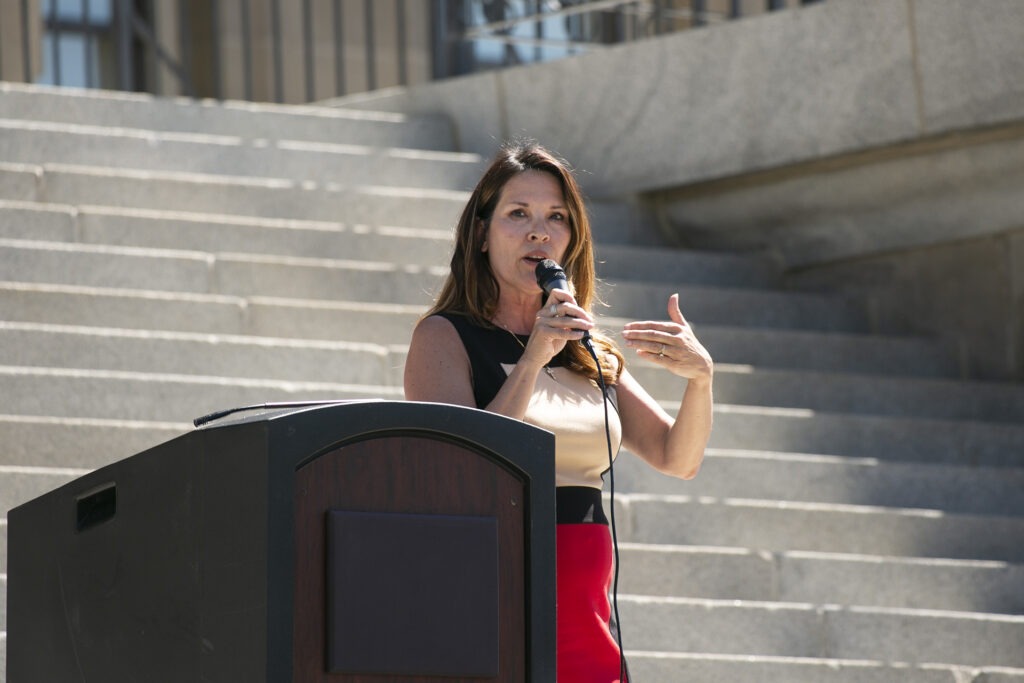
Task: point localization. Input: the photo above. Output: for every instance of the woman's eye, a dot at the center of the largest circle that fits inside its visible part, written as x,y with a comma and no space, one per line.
557,217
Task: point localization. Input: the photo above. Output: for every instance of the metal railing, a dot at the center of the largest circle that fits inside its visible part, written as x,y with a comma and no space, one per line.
182,46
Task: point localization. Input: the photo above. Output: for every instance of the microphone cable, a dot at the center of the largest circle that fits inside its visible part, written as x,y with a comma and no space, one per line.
589,345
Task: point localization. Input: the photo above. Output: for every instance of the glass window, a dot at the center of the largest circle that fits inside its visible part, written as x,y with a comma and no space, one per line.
72,42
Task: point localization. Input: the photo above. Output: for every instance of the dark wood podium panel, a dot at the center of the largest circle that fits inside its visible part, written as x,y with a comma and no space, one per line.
411,475
205,557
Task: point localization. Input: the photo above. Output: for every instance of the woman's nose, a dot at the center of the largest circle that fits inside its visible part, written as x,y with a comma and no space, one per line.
538,234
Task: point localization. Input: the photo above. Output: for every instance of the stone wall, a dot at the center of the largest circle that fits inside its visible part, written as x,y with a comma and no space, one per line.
873,145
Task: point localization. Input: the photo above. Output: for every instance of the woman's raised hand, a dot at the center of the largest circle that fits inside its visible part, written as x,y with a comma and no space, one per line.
670,344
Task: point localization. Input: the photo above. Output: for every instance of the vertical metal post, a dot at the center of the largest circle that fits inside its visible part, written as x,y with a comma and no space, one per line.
403,51
339,50
659,17
126,80
88,38
26,47
700,8
246,49
54,22
307,51
439,39
185,48
371,65
216,42
275,26
538,31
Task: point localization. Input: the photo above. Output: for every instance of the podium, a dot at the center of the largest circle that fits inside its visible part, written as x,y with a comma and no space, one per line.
356,542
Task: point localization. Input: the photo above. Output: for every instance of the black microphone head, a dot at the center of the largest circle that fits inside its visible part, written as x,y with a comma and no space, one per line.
551,276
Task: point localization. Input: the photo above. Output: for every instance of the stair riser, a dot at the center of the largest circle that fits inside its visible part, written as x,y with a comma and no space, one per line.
100,225
78,445
673,266
742,670
963,489
257,198
383,326
806,631
179,400
229,275
823,580
777,527
356,166
345,242
942,442
1000,445
868,395
240,275
748,308
56,348
202,356
209,314
19,184
232,119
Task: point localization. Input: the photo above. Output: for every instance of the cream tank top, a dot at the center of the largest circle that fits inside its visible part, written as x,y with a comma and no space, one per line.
563,402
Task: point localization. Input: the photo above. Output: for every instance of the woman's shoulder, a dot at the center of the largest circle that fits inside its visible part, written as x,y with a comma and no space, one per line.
436,327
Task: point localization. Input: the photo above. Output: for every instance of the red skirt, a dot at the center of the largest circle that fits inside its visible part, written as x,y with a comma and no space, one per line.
587,651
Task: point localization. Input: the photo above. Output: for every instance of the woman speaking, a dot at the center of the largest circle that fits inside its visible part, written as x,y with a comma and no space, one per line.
495,340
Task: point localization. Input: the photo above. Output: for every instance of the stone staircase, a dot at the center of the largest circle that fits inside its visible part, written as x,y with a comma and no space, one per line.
859,518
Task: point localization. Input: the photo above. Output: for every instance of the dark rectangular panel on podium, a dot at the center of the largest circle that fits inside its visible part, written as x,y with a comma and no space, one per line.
260,549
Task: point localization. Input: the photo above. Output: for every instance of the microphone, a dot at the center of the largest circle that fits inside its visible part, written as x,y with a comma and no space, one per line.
551,276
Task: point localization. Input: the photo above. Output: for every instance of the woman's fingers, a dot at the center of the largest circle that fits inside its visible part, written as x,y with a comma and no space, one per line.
561,312
671,344
673,310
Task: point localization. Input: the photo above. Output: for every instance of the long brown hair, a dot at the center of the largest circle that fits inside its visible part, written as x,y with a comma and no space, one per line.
471,288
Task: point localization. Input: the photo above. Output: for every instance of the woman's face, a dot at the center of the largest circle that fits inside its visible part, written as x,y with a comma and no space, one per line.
530,223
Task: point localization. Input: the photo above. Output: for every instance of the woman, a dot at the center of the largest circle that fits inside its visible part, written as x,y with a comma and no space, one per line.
493,341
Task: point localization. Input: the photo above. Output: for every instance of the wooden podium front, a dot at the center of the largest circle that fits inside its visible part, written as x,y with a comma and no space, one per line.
358,542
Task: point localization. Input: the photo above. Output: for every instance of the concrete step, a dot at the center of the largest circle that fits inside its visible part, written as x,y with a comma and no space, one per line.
187,231
665,264
798,430
37,142
711,668
801,477
79,443
735,306
223,273
819,527
20,181
104,348
325,239
243,119
829,351
207,313
731,573
392,323
737,427
868,394
145,396
822,631
244,274
271,197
